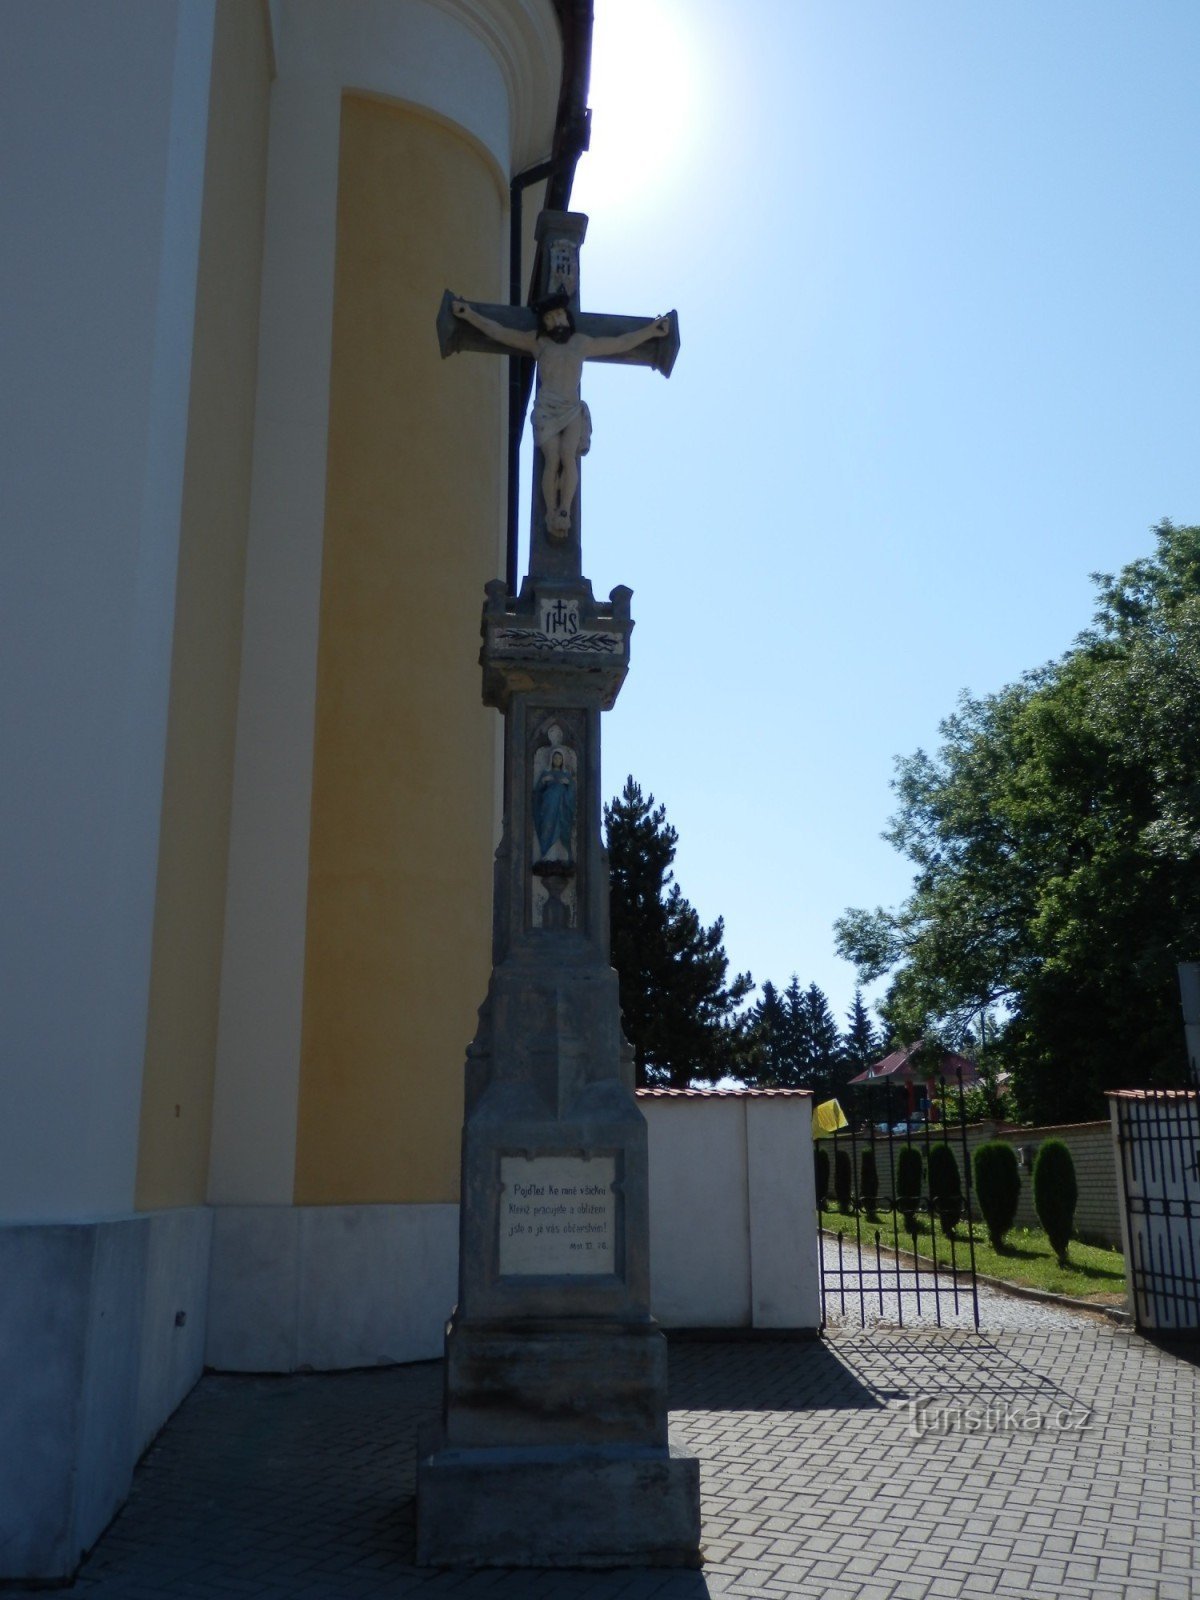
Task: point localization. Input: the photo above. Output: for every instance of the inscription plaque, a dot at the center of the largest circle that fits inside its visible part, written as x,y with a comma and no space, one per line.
557,1214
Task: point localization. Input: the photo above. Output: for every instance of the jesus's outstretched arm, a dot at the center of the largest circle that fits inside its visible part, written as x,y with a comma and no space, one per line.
524,339
617,344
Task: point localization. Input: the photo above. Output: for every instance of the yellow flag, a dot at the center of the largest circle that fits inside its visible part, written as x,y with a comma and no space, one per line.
828,1117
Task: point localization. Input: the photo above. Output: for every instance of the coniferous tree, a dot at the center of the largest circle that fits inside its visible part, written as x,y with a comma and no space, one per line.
795,1053
782,1032
822,1043
768,1023
861,1044
677,1001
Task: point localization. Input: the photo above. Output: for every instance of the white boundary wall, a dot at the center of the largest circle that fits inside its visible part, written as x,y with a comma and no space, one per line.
733,1225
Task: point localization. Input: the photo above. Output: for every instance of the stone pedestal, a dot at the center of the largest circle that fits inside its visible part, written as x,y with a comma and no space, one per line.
553,1448
557,1506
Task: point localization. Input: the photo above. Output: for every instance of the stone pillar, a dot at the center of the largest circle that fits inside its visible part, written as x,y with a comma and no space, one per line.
553,1449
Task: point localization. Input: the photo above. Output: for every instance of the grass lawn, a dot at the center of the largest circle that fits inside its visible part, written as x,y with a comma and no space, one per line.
1092,1274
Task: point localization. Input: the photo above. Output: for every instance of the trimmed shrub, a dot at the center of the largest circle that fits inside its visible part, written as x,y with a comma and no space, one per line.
822,1174
997,1187
945,1187
908,1184
843,1179
1055,1192
868,1182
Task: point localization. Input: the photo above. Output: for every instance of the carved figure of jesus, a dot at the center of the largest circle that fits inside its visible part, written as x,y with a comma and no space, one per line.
562,424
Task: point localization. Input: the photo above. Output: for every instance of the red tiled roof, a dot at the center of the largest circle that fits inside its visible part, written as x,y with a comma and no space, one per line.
898,1067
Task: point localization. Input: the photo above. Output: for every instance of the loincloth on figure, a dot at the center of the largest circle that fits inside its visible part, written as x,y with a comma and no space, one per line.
554,413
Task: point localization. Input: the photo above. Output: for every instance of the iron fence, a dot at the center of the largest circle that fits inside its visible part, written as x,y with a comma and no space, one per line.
1158,1134
895,1226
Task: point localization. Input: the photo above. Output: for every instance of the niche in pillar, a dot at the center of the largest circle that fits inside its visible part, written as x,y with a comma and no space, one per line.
555,891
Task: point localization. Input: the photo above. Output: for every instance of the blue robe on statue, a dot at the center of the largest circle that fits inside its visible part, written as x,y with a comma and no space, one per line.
554,809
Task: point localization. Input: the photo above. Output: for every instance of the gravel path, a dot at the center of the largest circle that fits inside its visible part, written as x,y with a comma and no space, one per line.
885,1296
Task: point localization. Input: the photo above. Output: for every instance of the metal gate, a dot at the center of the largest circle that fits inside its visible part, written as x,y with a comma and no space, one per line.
1158,1133
891,1244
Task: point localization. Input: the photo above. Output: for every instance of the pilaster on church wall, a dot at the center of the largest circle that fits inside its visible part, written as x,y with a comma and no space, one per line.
487,73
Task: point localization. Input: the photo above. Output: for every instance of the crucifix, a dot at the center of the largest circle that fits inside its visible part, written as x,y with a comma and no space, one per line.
559,338
553,1448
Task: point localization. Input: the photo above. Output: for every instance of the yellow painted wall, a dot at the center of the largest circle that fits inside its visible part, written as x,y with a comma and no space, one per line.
193,847
399,910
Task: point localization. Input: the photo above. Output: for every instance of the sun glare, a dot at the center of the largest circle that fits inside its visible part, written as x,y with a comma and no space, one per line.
645,96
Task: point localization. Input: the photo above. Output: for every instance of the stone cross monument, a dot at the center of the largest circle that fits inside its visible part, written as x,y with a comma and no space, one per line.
553,1448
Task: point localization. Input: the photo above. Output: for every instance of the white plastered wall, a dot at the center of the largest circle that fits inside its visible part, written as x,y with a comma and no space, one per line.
103,120
467,61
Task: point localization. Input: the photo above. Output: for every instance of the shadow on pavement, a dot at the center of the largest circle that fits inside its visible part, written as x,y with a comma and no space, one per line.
791,1375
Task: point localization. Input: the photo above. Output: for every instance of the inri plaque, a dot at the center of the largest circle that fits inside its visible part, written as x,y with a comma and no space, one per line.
557,1214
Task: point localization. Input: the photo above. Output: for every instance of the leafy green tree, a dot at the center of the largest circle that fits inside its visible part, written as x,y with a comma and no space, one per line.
1055,838
678,1004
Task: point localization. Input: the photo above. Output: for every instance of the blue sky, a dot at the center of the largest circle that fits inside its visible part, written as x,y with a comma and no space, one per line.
935,266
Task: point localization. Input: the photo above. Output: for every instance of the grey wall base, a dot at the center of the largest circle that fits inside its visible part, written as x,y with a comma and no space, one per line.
101,1337
106,1325
320,1288
557,1506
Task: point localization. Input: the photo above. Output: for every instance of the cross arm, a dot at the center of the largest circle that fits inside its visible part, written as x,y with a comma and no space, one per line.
657,353
454,334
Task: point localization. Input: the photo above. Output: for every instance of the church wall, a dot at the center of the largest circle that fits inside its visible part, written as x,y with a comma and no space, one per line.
322,1288
193,846
399,919
101,1336
130,253
102,120
493,71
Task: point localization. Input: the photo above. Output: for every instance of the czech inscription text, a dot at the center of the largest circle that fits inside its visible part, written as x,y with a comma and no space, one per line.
557,1214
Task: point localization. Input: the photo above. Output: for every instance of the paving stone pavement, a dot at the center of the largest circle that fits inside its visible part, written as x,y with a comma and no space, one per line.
1054,1461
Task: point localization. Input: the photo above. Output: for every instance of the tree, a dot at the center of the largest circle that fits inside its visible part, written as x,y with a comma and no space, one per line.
1055,1194
1056,841
794,1054
843,1181
768,1030
869,1183
796,1043
819,1041
677,1002
945,1187
860,1042
997,1188
909,1167
821,1175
